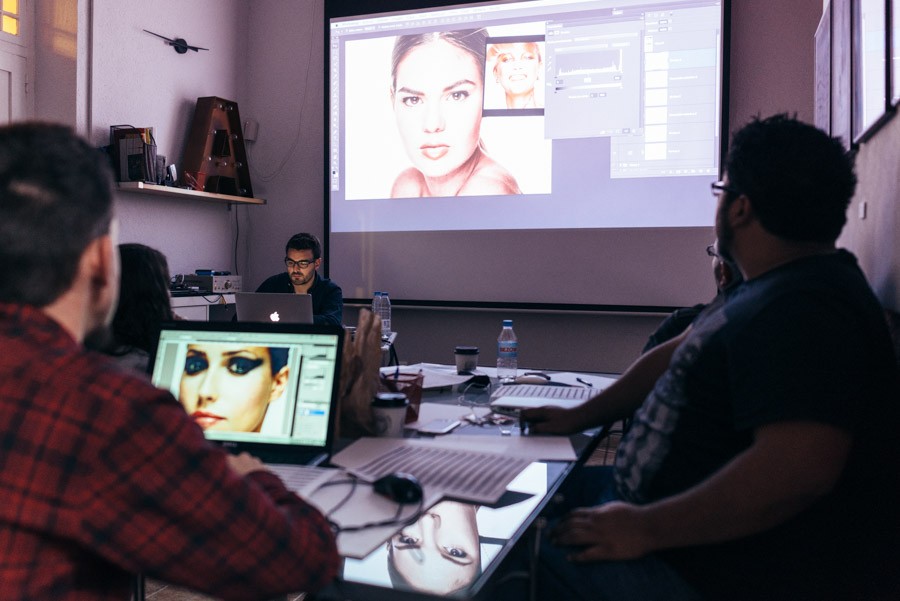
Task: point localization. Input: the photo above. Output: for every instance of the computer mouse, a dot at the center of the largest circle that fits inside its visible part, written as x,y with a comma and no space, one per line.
400,487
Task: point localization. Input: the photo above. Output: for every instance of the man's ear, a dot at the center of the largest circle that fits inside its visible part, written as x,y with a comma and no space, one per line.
740,211
97,260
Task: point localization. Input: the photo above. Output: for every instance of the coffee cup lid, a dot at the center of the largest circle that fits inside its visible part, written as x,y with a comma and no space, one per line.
466,350
390,399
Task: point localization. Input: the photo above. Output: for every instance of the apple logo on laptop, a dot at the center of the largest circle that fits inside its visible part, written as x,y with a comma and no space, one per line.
274,316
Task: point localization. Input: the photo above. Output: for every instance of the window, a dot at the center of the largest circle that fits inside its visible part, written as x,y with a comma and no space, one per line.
9,17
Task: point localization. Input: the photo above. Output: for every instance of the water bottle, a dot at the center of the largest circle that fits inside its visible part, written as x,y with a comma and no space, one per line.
376,304
507,353
385,314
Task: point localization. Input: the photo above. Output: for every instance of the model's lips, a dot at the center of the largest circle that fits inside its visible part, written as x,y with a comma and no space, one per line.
205,419
434,152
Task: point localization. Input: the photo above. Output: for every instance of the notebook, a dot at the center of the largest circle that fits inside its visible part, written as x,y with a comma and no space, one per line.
265,388
524,396
279,307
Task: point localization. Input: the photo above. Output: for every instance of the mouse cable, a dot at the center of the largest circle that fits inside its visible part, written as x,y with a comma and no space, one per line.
394,521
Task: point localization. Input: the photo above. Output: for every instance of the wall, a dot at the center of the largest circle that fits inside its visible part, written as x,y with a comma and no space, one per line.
285,79
137,79
875,239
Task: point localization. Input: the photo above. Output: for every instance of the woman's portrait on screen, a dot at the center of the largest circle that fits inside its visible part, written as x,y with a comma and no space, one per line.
229,387
437,90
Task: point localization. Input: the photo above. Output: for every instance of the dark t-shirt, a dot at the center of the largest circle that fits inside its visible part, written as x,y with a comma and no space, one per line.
806,341
327,297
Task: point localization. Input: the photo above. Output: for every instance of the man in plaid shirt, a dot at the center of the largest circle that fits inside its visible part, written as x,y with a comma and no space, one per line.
102,475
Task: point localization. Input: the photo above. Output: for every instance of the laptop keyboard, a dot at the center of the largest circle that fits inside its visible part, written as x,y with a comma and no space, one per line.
302,479
542,391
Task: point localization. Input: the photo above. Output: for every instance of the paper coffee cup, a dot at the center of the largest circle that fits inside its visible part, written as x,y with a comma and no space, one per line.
389,409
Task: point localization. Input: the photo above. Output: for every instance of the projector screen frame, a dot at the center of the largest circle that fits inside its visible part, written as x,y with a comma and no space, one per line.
692,237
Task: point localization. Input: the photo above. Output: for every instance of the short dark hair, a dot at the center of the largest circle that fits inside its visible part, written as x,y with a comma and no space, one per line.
55,198
143,298
798,179
304,241
278,356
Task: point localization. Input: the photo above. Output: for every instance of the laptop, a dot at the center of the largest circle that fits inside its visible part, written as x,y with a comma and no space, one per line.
513,397
270,389
274,307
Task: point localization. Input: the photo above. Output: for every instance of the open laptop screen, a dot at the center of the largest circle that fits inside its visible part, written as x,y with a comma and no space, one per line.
254,386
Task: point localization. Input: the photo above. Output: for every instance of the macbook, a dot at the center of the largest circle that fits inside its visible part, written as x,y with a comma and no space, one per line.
265,388
279,307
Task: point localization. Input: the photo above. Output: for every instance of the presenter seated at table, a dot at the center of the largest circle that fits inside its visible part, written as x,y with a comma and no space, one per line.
302,258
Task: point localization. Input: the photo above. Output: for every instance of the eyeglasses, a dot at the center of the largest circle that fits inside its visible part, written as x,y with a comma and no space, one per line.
302,263
718,188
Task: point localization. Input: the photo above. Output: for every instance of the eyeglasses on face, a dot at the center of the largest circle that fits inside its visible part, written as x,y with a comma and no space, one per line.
302,263
720,187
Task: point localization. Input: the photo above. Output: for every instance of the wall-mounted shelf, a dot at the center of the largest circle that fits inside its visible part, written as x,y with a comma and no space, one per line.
144,188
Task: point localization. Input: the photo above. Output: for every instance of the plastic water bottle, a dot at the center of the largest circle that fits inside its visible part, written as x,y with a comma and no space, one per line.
376,304
385,314
507,353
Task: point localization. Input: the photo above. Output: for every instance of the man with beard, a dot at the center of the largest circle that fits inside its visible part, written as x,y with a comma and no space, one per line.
762,461
102,475
302,258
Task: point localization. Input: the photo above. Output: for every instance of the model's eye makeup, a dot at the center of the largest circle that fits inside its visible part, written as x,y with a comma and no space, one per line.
410,100
458,95
407,540
455,552
242,365
194,363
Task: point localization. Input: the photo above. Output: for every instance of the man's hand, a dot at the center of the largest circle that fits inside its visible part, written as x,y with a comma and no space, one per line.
612,531
553,420
245,463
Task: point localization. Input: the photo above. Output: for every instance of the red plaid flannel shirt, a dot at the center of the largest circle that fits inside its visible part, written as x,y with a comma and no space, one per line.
103,476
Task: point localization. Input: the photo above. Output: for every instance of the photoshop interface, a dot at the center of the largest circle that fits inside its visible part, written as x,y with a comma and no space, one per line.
645,75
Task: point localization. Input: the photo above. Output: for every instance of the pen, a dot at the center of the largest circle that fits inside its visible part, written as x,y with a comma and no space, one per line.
397,373
585,382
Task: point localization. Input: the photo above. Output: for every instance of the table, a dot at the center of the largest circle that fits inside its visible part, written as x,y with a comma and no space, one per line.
455,549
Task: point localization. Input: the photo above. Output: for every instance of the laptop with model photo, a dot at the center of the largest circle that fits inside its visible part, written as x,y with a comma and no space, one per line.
265,388
277,307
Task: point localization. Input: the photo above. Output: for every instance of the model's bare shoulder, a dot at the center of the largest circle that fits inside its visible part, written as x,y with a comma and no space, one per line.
490,178
409,184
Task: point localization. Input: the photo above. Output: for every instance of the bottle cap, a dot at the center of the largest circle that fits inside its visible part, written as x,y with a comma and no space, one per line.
507,323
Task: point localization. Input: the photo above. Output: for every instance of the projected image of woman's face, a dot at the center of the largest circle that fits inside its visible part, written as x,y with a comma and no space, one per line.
517,68
437,103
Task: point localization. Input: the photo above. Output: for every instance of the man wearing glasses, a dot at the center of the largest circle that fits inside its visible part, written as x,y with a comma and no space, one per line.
302,257
763,460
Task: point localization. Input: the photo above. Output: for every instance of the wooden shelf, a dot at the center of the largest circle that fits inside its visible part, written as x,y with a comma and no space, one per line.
144,188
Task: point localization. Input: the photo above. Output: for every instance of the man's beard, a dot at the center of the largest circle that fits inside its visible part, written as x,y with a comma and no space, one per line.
724,232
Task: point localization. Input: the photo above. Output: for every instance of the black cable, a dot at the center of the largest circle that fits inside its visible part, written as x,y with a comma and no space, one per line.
354,482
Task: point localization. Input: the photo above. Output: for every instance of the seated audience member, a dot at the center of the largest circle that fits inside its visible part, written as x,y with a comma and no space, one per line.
762,462
144,303
727,276
103,475
302,258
